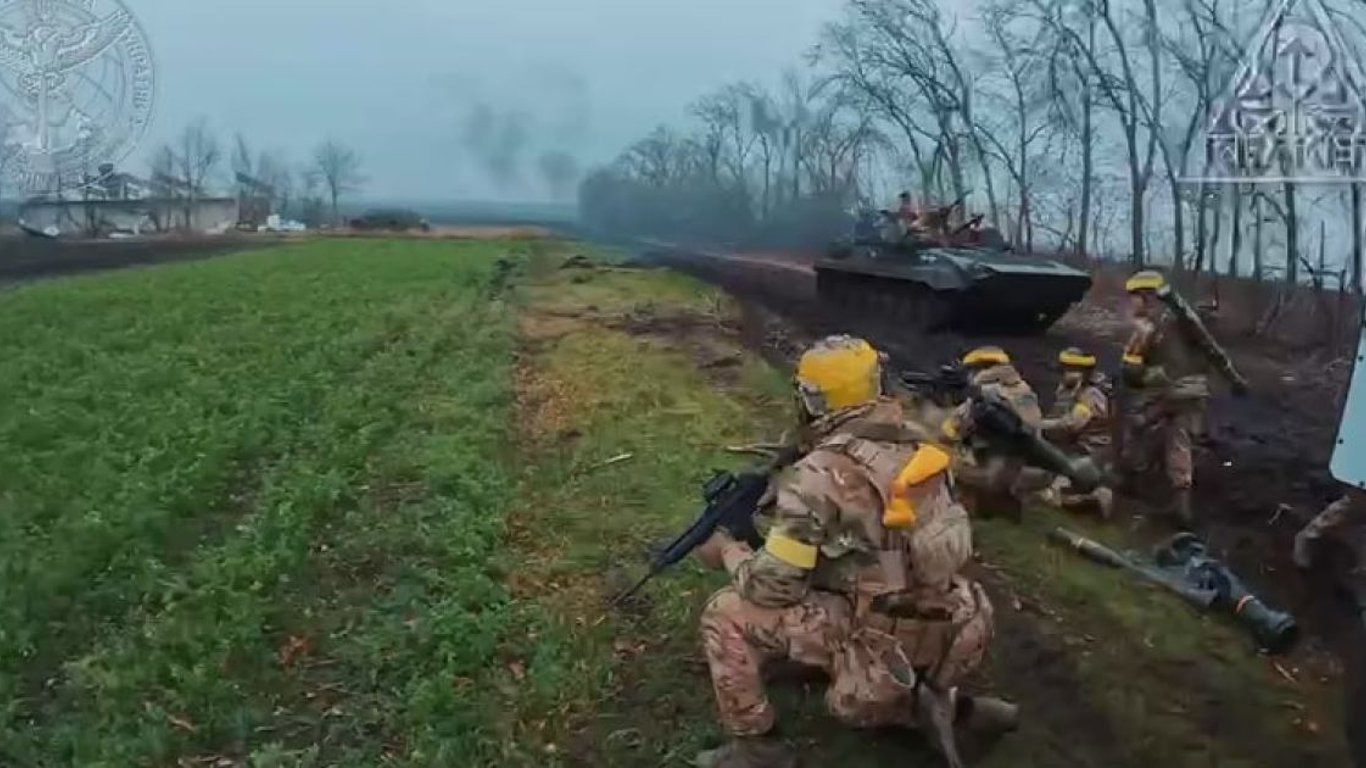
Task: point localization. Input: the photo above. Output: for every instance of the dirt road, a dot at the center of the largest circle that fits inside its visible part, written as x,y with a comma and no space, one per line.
28,258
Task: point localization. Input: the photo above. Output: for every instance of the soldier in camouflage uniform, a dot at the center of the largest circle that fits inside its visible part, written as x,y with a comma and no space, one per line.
991,481
1080,419
859,575
1166,363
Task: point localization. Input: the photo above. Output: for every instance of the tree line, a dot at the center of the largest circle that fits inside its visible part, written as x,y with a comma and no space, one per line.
1073,125
197,164
193,166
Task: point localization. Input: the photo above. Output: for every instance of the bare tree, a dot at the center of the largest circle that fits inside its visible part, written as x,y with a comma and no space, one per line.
242,161
726,136
196,157
874,57
163,172
1021,66
273,171
1133,107
338,169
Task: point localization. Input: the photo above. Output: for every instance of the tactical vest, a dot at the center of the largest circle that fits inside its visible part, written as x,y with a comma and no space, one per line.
924,556
1097,430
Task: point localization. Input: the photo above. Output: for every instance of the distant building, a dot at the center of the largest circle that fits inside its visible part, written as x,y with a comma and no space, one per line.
99,216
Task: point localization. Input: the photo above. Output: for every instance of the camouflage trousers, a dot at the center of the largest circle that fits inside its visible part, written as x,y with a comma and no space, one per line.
874,662
1160,431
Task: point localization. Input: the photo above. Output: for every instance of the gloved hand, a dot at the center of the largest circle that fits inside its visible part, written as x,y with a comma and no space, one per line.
1239,387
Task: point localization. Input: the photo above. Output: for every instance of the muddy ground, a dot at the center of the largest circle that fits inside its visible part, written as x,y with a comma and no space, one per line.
1261,468
1269,450
23,257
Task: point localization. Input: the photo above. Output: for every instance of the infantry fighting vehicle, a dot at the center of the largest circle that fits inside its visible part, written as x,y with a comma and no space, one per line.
940,277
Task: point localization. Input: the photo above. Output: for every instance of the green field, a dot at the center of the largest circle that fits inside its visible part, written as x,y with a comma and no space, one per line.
360,503
252,506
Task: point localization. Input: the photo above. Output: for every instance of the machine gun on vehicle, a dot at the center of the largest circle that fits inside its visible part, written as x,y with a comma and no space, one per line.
1000,426
1182,567
731,499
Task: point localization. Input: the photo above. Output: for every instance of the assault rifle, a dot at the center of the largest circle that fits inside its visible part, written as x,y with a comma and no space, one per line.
1000,426
731,500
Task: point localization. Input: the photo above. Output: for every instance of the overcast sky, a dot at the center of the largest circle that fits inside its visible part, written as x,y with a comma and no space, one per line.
399,81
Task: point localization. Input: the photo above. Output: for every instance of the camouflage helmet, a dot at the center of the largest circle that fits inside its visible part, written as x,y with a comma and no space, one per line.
838,372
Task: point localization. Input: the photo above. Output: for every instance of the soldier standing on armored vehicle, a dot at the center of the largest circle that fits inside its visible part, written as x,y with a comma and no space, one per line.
1165,362
989,478
1080,418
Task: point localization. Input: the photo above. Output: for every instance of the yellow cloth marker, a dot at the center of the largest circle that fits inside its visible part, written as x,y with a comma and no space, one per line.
927,462
791,551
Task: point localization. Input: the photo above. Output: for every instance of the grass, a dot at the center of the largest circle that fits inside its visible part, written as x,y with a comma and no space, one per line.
1174,681
363,503
603,375
250,507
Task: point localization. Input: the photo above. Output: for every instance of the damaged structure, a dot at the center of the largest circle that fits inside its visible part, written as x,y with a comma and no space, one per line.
101,217
120,203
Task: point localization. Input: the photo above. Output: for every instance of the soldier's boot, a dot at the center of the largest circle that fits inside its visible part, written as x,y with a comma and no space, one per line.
748,752
1181,506
987,714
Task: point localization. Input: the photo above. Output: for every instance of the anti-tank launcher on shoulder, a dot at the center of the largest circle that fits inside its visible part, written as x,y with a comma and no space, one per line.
946,271
999,425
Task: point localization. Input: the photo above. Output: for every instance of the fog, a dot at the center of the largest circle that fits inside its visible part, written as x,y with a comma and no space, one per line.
458,100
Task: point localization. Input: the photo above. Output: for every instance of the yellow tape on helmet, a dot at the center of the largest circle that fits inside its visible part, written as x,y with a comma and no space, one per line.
843,370
1076,358
1146,280
986,356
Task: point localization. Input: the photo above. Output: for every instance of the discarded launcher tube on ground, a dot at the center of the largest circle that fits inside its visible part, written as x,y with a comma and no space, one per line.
1183,567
